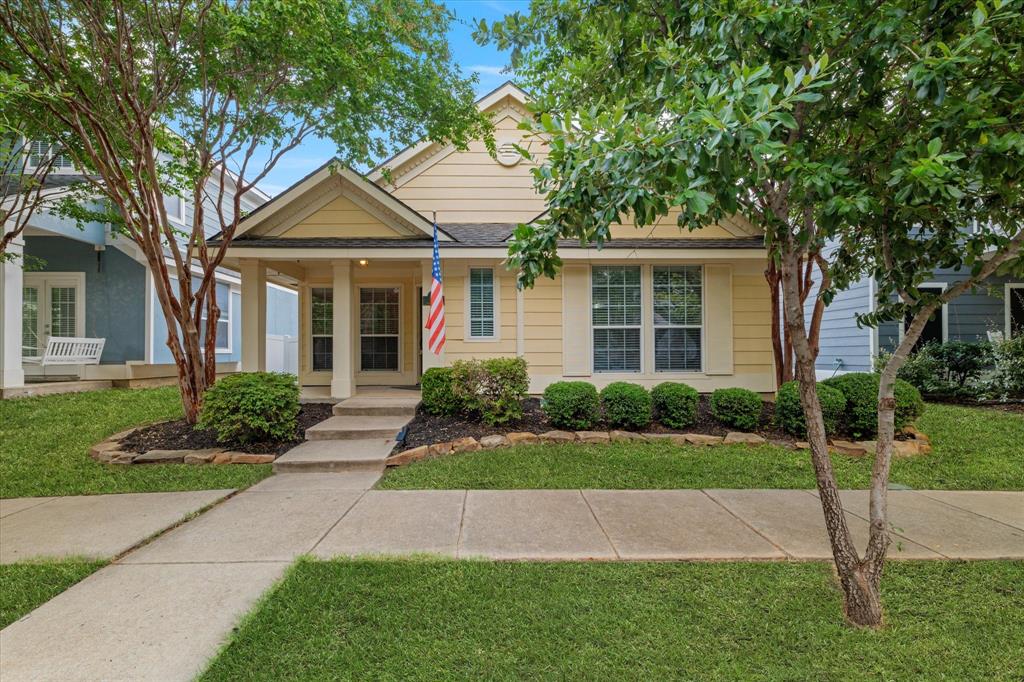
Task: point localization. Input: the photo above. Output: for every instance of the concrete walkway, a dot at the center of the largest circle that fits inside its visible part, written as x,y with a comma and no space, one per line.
93,526
162,611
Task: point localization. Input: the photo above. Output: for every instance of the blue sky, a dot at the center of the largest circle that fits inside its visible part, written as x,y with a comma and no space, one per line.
485,61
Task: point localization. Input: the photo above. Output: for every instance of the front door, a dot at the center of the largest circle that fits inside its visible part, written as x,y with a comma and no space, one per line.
53,304
379,315
933,331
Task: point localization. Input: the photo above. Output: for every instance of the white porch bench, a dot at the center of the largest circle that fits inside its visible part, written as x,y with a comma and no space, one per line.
68,350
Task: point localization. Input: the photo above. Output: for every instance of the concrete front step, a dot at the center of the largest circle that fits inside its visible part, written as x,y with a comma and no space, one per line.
378,406
357,428
366,454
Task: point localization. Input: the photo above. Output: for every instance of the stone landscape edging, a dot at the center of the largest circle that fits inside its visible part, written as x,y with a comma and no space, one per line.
108,451
916,443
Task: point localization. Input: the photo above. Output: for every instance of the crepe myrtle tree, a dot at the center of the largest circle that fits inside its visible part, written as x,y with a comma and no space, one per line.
804,117
202,98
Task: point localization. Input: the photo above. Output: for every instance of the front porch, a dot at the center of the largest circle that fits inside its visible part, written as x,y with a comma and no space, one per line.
359,323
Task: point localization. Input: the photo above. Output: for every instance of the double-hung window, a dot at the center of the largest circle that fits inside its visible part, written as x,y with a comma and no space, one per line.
616,317
678,317
481,303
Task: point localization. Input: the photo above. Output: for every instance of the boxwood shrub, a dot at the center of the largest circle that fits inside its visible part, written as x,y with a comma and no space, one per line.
626,405
789,414
436,390
675,404
252,407
571,404
737,407
861,391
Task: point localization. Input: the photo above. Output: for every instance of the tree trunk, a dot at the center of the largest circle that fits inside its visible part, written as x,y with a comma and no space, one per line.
860,585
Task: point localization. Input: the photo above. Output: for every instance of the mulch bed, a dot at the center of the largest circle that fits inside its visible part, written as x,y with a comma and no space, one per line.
179,435
426,429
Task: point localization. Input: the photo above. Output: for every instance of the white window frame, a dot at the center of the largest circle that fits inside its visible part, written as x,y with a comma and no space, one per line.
57,168
945,311
1009,287
495,307
359,332
178,217
701,326
642,327
225,316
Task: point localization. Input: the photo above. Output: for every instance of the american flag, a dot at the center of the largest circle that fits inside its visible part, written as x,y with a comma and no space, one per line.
435,318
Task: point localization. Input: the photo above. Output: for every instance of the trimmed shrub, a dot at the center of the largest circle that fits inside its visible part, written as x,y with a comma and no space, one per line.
491,390
626,405
675,404
737,407
571,404
945,370
436,387
861,391
252,407
789,414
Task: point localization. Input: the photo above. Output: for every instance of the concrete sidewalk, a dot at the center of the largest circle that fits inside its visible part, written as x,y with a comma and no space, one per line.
93,526
162,611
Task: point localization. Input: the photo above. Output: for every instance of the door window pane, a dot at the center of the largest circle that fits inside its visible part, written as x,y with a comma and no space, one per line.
932,332
30,322
615,318
481,302
322,319
678,318
378,329
63,304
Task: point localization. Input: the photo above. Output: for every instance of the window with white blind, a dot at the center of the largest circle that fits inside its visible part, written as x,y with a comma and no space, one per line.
481,303
616,317
678,318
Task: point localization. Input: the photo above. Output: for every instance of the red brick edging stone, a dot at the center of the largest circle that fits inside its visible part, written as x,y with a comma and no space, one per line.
916,443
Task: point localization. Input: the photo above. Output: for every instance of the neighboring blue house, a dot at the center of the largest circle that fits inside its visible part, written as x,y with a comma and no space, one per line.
996,307
92,283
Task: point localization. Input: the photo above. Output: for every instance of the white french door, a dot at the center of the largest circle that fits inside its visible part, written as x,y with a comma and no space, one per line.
53,304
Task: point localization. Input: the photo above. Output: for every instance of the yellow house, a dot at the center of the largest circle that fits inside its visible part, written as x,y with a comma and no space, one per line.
661,304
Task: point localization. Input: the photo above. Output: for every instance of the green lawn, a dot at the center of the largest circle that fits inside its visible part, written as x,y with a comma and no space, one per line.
974,449
26,585
44,445
433,620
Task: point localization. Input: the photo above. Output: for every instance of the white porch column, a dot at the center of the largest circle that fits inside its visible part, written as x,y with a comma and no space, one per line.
343,380
429,359
11,282
254,315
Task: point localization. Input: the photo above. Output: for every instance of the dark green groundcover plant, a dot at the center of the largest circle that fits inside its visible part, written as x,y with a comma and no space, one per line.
252,407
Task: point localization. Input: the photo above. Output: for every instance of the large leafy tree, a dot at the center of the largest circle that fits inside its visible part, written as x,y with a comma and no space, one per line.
818,122
202,98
